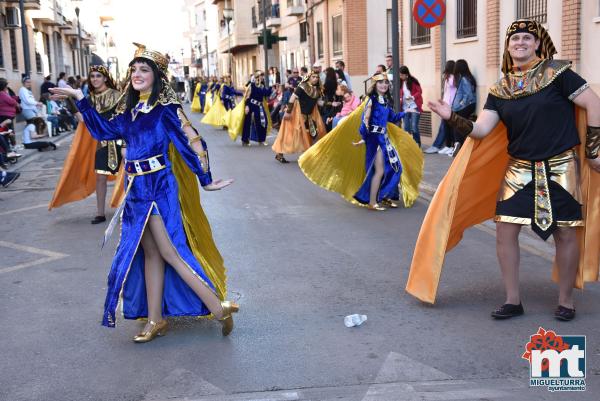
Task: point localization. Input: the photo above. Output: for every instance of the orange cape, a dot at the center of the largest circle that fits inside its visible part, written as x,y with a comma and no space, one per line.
467,196
293,137
78,178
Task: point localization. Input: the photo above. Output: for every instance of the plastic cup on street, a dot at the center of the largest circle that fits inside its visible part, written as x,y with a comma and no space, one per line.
354,320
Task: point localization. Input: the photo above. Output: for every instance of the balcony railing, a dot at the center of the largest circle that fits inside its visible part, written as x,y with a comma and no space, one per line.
294,8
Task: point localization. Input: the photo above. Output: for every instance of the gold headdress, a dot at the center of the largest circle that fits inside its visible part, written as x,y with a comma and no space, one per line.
258,73
104,71
546,50
379,77
159,59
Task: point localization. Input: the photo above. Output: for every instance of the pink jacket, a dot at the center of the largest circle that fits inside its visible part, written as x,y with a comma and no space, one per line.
8,105
349,107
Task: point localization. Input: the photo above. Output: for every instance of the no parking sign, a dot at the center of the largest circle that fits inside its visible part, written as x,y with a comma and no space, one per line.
429,13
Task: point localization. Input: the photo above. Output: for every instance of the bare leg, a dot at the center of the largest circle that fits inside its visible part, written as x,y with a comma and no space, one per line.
101,181
154,270
507,248
170,255
567,259
377,176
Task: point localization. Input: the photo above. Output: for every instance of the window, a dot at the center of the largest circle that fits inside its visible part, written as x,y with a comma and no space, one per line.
303,31
389,30
1,50
338,46
320,39
46,39
13,50
418,35
466,18
533,9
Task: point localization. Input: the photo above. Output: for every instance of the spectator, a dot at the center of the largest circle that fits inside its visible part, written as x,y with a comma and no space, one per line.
294,79
61,83
303,72
412,102
9,104
73,83
389,64
7,154
275,10
46,85
465,101
381,69
332,100
35,129
341,68
275,105
319,69
350,104
28,103
47,114
444,142
7,177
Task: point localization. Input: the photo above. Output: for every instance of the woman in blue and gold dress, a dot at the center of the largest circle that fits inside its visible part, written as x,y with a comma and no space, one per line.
177,270
370,177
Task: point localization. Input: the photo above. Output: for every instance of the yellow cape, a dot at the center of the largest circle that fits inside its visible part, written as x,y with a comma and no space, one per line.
196,100
293,136
216,114
78,178
467,196
335,164
234,119
208,99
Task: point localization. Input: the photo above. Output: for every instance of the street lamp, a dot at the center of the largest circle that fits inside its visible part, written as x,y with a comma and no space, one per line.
79,42
228,16
207,60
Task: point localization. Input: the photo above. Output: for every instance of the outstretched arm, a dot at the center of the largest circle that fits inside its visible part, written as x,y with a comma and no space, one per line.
479,129
100,128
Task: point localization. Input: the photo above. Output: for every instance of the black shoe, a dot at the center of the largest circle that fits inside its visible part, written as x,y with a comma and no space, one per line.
8,178
281,159
99,219
507,311
563,313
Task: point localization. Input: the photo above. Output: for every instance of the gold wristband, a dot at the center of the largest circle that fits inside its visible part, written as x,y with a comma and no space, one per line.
592,143
204,153
195,139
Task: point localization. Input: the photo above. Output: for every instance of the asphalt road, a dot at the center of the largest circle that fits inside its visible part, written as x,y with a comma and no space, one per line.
299,259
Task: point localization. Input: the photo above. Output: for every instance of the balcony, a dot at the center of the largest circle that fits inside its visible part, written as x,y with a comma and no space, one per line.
273,22
294,8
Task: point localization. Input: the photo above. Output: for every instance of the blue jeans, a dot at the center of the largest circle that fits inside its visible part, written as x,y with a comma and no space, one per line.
336,121
411,125
440,139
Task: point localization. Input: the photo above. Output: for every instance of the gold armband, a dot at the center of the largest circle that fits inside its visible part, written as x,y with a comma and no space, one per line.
461,126
592,142
195,139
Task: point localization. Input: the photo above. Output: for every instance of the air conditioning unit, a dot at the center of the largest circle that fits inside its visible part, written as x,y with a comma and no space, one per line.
12,18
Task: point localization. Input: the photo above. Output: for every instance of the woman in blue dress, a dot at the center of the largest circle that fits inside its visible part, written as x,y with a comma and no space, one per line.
166,263
202,92
256,119
228,93
380,186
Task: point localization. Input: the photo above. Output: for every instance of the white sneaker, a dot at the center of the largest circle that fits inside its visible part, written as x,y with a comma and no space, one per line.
431,149
445,150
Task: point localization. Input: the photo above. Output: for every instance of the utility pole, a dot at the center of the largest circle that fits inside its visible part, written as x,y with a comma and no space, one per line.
25,37
207,55
395,55
265,44
79,42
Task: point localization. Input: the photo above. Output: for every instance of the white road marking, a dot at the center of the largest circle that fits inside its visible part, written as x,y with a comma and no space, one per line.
49,256
24,209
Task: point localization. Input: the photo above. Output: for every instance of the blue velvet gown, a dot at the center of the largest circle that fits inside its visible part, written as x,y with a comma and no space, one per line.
228,94
256,121
202,94
150,134
377,138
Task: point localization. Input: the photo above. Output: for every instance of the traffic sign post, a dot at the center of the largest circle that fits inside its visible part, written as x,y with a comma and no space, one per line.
429,13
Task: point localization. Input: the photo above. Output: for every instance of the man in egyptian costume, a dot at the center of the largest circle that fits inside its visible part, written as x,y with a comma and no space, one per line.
88,156
531,158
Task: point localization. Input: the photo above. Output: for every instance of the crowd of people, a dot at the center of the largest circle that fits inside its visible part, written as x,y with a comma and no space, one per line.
43,117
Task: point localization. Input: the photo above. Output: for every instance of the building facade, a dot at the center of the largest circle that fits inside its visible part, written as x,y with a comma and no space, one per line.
202,37
52,36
